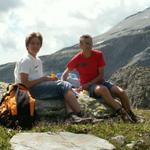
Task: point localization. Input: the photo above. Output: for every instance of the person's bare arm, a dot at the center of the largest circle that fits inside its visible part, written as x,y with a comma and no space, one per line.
65,74
29,84
98,78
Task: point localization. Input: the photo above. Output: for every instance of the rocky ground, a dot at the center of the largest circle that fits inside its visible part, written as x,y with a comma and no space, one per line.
52,107
136,81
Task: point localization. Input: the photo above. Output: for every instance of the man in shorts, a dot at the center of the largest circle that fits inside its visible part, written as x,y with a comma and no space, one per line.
89,63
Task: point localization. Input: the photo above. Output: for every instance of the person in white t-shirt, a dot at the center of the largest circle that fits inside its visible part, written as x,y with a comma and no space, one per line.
29,72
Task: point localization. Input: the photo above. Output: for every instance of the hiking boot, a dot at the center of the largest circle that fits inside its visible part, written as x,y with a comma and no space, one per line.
78,118
124,115
133,116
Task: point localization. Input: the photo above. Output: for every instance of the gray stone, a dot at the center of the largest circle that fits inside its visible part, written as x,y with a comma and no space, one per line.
58,141
120,139
90,105
56,106
135,81
3,87
50,107
136,144
131,145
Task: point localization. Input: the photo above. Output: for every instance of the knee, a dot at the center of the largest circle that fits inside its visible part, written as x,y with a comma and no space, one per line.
121,92
101,90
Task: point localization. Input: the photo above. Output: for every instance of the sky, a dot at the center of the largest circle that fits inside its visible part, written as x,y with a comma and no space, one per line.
61,22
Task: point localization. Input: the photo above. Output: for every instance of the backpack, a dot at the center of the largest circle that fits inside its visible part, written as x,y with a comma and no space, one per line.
17,107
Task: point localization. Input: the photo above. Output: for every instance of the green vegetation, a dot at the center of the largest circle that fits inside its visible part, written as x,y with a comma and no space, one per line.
104,130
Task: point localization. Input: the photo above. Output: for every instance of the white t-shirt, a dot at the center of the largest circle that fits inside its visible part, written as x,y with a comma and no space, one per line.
29,65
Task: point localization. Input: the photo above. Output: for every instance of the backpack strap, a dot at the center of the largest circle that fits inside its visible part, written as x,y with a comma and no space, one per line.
22,86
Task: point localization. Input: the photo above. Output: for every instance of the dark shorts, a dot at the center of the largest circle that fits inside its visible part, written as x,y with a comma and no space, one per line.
50,89
107,84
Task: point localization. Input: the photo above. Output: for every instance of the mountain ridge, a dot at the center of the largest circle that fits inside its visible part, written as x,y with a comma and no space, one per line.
122,44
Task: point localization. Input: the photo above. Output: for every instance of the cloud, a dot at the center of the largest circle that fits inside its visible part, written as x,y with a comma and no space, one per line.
6,5
61,22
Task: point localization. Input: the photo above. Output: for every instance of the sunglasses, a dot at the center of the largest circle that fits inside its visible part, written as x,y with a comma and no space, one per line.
87,43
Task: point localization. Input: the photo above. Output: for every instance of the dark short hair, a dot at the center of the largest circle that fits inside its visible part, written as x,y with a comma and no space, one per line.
33,35
86,36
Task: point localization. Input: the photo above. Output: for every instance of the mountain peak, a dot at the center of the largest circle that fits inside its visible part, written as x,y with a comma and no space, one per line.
124,44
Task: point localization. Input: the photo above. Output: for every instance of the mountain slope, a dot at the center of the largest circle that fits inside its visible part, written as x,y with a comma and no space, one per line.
125,44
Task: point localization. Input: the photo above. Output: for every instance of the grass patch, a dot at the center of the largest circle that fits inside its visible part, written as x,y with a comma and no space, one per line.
104,130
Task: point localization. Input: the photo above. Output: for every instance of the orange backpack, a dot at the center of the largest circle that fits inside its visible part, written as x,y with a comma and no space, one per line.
17,107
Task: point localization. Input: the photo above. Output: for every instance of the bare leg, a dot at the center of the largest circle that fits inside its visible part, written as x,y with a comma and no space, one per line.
120,93
69,110
110,101
101,90
71,101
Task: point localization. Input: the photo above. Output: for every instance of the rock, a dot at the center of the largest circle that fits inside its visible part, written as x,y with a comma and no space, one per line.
120,139
90,105
60,141
136,82
140,144
52,107
131,145
43,107
56,106
3,87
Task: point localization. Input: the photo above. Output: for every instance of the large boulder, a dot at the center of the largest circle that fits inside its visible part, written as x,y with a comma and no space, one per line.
136,82
60,141
52,107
